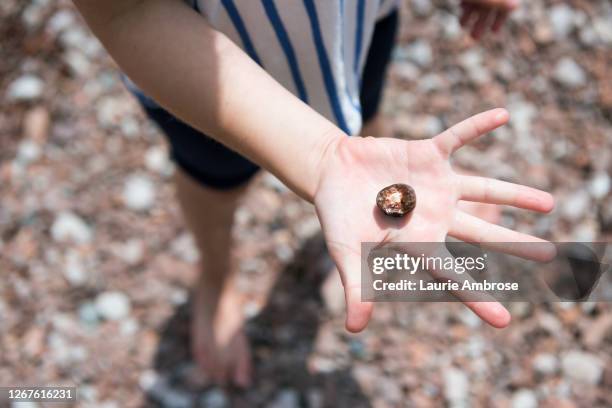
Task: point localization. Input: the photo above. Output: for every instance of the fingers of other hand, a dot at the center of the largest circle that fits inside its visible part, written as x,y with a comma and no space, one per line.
486,190
469,228
464,132
478,16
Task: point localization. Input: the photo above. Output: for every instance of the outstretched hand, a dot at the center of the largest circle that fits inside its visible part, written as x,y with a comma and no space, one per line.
479,16
355,169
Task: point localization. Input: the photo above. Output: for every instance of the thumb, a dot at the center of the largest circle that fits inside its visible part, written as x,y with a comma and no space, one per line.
358,313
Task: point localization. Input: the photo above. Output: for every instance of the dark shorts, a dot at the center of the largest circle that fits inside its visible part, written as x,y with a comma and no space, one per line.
214,165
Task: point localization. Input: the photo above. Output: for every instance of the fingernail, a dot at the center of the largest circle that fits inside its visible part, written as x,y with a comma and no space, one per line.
503,115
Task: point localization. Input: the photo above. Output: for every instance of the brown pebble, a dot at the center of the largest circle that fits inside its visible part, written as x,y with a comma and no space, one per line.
396,200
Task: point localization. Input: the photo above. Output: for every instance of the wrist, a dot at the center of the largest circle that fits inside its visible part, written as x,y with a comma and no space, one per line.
323,153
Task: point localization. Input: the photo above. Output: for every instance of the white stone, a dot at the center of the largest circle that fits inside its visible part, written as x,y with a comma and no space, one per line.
156,160
545,363
562,20
26,88
599,187
582,367
286,399
575,205
185,248
113,305
139,193
131,252
78,63
74,269
524,398
421,8
60,21
420,53
214,398
28,152
456,386
569,74
68,227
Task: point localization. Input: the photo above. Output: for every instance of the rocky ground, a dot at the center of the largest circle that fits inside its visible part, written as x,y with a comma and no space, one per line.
96,262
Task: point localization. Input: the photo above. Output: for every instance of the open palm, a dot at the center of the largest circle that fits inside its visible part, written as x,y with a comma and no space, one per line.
357,168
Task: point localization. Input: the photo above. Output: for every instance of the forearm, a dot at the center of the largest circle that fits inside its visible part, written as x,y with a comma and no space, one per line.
203,78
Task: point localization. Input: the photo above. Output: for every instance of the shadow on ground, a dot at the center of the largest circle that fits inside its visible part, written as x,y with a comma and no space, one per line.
282,338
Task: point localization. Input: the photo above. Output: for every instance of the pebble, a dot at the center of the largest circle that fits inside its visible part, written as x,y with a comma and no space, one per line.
60,21
214,398
582,367
185,248
599,186
575,205
286,399
69,227
113,305
88,314
545,364
569,74
421,8
131,252
524,398
77,63
28,152
26,88
156,161
420,53
456,386
74,269
562,20
139,193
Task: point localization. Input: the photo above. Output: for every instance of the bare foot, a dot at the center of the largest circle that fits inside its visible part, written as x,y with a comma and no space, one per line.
218,343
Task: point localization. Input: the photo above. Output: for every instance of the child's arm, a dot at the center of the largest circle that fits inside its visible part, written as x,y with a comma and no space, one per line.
202,77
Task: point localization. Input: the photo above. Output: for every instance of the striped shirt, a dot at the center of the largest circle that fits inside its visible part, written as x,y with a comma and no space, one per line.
314,48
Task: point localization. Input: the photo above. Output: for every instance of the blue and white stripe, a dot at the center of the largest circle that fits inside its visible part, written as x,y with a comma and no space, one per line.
314,48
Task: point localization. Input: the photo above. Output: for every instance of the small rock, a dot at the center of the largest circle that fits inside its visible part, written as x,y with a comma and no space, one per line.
524,398
74,269
77,62
569,74
28,152
421,8
545,364
185,248
420,53
131,252
61,20
214,398
582,367
156,160
576,205
26,88
88,314
456,386
108,111
562,20
139,193
286,399
389,390
148,379
69,227
599,186
113,305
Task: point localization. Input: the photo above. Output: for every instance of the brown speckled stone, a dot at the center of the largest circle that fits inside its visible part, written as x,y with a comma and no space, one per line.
396,200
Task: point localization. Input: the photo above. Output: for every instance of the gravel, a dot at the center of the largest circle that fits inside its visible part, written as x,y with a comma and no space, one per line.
26,88
113,305
69,227
139,193
582,367
570,74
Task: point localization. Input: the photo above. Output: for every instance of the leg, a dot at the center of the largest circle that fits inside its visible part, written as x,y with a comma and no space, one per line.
218,342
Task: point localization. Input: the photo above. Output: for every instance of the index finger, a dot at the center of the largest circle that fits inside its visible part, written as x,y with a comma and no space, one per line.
464,132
